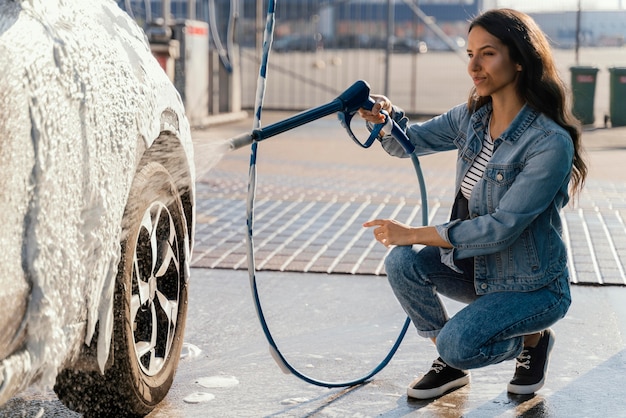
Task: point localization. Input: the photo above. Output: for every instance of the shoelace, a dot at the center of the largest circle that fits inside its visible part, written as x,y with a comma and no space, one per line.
437,366
523,360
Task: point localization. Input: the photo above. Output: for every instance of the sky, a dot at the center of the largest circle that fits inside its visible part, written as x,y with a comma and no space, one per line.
554,5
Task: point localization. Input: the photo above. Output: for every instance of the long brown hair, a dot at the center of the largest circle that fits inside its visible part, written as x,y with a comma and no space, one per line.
539,83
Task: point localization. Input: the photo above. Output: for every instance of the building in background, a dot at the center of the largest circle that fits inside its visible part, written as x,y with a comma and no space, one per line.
321,46
597,27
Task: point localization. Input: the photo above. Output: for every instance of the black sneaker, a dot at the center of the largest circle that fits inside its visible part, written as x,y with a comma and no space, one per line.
531,366
440,379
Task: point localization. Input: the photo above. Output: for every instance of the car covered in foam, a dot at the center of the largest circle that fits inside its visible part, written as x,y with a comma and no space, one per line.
97,208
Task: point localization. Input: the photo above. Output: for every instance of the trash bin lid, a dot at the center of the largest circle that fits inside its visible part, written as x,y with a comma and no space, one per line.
584,69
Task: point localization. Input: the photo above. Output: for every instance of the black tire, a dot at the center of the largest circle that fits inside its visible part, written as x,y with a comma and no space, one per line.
150,307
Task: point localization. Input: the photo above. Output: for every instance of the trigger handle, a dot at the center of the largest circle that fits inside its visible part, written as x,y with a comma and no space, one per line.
392,128
346,119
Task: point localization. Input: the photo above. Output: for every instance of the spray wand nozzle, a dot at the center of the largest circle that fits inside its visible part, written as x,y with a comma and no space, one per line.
346,104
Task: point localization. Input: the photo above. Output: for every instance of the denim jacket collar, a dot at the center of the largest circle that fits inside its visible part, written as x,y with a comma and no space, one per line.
520,123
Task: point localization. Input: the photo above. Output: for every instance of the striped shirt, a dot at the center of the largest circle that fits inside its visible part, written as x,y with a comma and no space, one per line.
477,169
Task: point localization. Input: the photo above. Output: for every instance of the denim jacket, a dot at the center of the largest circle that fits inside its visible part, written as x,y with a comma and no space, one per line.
511,226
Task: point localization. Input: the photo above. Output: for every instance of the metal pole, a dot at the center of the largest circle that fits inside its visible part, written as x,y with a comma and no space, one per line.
260,25
390,38
578,13
191,9
414,64
167,11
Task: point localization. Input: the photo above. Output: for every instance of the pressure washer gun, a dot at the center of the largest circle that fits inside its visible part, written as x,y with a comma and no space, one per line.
346,105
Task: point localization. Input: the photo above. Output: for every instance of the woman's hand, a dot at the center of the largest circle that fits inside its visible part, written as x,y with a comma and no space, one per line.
374,115
391,232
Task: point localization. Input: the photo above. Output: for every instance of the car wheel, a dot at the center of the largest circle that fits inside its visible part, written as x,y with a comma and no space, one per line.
150,306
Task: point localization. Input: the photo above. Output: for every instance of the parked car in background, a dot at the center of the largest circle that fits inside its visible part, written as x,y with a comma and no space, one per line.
299,42
409,45
97,208
437,44
399,45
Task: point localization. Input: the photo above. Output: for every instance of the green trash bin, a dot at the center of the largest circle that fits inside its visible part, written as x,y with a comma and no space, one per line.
583,90
617,105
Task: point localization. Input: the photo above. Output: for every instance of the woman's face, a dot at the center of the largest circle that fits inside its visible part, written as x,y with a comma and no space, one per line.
490,66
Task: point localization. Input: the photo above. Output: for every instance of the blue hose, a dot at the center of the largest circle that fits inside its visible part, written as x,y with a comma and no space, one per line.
259,134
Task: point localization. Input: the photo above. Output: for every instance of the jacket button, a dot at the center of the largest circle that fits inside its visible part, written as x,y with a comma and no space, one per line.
499,177
484,286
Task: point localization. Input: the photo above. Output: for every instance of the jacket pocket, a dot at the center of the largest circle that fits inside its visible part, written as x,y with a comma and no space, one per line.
502,175
498,180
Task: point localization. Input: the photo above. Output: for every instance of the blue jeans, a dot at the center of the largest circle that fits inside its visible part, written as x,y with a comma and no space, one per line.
490,329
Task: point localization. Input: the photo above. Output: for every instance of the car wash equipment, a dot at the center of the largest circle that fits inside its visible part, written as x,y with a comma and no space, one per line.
346,105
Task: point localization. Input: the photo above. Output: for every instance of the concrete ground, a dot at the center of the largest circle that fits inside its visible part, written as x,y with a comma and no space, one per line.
338,327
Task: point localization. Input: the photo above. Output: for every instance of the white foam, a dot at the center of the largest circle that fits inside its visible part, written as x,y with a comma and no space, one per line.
212,382
199,397
293,401
190,351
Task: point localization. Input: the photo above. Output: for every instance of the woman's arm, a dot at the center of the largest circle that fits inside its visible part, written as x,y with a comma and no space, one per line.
390,232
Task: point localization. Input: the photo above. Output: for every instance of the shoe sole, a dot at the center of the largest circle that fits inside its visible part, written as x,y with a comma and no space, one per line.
530,389
436,392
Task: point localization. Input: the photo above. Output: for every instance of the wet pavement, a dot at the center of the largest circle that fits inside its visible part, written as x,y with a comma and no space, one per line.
338,327
315,188
322,280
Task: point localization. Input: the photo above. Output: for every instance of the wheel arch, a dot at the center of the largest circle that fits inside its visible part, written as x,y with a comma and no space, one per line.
172,149
170,152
